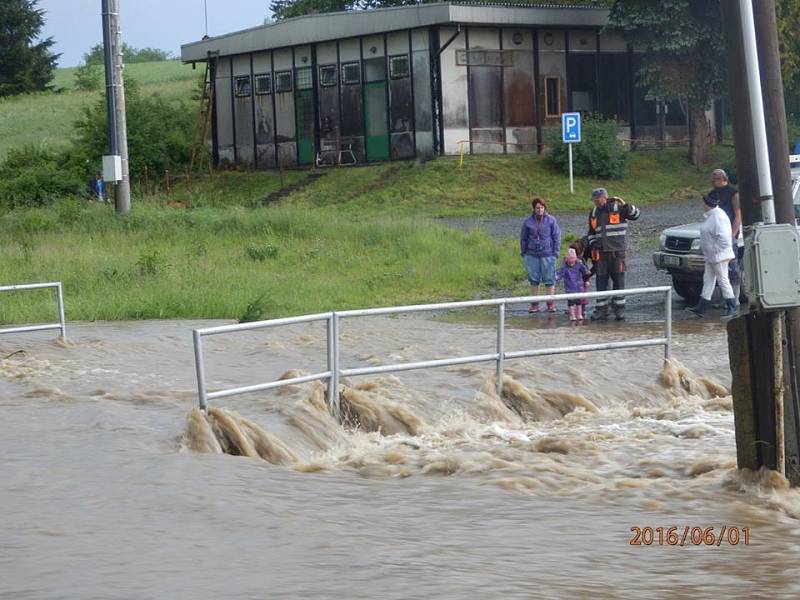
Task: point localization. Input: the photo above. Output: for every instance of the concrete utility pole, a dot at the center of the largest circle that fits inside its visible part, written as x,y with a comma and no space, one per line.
762,358
115,99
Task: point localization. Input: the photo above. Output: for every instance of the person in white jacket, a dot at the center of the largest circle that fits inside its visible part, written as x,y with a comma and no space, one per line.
716,242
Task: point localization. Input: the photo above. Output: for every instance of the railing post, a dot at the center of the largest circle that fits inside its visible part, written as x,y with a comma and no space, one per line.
200,370
333,365
668,325
501,345
60,301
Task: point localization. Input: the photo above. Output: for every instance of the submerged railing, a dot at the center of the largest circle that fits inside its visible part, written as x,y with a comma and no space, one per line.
334,370
59,302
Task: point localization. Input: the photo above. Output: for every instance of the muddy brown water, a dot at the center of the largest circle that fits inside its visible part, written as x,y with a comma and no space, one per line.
114,487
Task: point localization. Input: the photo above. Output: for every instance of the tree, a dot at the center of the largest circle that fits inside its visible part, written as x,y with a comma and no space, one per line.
25,64
683,58
130,55
788,13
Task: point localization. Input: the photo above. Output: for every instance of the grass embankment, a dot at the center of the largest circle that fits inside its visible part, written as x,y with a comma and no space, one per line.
48,118
356,237
498,185
215,262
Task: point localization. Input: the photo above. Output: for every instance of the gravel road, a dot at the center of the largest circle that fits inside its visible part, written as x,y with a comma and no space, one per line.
642,238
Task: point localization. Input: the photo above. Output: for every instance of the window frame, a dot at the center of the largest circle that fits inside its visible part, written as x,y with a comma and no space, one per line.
263,77
332,68
278,76
407,73
547,112
346,80
377,60
236,89
300,84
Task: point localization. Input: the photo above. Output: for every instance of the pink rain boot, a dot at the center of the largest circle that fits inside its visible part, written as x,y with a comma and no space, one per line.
579,312
551,306
534,307
573,312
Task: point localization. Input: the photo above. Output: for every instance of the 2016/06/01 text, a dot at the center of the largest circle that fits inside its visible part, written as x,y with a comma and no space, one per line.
689,536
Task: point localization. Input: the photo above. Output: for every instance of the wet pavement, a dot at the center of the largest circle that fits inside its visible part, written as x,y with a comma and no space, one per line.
642,238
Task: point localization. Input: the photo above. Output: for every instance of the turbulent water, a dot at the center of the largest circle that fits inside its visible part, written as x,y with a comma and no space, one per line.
115,486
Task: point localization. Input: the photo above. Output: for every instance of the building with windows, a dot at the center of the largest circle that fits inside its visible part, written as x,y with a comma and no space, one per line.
418,81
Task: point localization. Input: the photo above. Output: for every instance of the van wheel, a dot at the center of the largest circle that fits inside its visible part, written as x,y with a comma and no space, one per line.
688,290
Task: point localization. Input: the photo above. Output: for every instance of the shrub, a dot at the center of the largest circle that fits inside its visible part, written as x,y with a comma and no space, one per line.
261,253
33,176
159,133
599,154
88,77
151,263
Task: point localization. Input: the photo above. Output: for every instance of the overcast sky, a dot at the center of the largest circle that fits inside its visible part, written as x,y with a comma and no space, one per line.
75,25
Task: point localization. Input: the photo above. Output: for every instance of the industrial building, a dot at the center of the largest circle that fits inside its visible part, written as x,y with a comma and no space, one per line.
417,81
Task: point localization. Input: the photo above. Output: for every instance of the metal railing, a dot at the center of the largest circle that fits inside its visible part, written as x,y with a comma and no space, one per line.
59,301
334,370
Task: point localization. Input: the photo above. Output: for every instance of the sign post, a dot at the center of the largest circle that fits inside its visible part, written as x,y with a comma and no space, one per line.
571,134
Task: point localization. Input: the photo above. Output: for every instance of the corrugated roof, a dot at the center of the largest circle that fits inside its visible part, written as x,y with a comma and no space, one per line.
308,29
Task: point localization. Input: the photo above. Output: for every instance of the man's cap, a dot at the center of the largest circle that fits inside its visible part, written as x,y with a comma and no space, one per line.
711,199
597,192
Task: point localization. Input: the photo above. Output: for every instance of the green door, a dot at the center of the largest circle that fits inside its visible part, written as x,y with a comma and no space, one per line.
304,112
377,129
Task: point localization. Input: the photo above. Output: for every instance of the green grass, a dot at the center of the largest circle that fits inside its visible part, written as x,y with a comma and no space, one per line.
498,185
48,118
217,262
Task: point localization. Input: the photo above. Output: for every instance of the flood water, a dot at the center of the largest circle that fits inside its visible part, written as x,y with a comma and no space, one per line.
114,487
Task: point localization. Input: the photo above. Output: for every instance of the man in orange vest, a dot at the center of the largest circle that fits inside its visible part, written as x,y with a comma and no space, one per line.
608,243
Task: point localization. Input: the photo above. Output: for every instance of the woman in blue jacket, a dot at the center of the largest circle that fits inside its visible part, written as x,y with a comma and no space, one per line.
539,244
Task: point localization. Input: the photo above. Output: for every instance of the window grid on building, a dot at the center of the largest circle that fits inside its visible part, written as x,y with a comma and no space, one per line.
241,86
351,73
552,97
303,78
283,81
327,75
263,84
399,66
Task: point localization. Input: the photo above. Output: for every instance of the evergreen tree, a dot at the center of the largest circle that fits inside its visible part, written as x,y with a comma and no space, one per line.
26,65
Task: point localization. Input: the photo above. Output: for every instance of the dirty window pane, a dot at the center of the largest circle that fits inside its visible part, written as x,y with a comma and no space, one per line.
552,97
398,66
303,78
283,81
374,69
327,75
351,73
241,86
263,84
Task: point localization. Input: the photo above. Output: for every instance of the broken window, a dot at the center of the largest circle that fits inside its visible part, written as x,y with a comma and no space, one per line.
241,86
327,75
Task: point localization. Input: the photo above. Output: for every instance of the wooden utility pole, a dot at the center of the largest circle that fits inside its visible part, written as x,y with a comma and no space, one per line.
778,144
115,90
759,352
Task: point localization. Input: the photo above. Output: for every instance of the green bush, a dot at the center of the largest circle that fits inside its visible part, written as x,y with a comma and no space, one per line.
599,154
88,77
33,176
261,253
159,134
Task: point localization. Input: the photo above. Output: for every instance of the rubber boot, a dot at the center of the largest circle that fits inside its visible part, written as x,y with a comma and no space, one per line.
731,308
579,312
600,313
572,313
619,312
534,307
699,309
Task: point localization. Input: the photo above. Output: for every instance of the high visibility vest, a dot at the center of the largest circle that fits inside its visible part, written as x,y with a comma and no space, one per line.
608,226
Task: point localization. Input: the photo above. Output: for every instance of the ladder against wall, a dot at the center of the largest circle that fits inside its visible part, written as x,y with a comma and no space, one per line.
202,122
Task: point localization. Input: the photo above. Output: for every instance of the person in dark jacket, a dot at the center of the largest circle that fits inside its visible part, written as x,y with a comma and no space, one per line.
608,244
539,245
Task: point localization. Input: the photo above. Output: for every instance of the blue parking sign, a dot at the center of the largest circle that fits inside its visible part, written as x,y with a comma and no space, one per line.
571,127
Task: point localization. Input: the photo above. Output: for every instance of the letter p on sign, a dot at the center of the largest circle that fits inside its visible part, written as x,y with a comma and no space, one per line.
571,127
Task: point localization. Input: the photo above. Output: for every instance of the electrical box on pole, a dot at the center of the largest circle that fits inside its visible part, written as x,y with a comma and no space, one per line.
772,266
